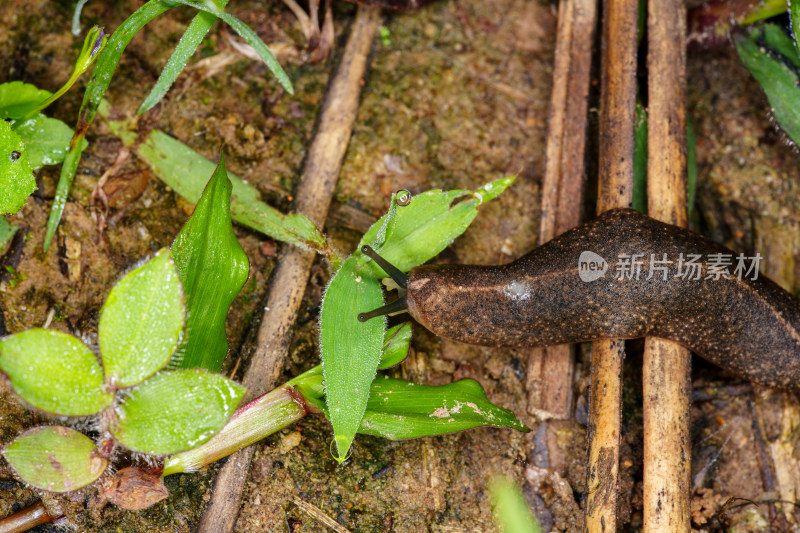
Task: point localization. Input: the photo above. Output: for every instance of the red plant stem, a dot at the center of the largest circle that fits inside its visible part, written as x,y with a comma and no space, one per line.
26,519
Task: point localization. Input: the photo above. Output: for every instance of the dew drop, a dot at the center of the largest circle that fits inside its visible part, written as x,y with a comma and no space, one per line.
402,197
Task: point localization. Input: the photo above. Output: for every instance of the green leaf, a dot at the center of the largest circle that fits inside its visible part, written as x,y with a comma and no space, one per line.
18,98
639,193
184,170
779,81
250,37
213,268
46,140
55,458
399,409
54,372
175,411
428,224
395,345
141,322
350,349
776,39
7,231
794,15
107,62
189,42
511,508
16,177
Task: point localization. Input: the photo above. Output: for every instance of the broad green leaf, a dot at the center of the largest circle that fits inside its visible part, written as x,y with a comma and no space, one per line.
55,458
16,177
428,224
511,511
399,409
175,411
213,268
250,37
54,372
776,39
351,350
18,98
107,62
7,231
184,170
46,140
779,81
141,322
186,47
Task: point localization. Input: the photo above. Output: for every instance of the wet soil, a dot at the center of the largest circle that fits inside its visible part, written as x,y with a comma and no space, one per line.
457,95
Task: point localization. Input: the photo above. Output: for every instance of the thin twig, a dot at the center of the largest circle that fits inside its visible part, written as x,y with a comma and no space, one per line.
666,379
318,515
313,195
550,369
618,94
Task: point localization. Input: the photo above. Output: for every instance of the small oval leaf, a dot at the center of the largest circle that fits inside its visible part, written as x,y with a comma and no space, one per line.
54,372
55,458
141,322
175,411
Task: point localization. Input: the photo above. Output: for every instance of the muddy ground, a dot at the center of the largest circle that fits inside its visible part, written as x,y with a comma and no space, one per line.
457,95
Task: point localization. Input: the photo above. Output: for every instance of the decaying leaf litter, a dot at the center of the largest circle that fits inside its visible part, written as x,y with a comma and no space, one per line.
456,95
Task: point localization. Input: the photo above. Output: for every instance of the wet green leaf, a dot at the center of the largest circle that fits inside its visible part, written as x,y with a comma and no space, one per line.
185,170
213,268
175,411
46,140
511,510
55,458
54,372
399,409
141,322
779,81
350,349
16,177
18,98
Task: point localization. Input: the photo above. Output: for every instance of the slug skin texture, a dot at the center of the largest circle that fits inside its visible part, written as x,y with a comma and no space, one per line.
745,325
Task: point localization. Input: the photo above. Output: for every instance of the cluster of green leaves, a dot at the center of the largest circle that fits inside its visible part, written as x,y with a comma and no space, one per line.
147,408
29,139
109,59
772,58
351,350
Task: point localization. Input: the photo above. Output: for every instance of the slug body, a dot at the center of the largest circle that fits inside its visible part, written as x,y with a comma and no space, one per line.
751,327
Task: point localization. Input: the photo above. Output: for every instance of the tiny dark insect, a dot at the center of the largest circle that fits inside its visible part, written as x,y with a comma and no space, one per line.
14,156
394,4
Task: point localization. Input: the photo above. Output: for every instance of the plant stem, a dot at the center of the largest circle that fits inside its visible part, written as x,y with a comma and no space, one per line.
250,423
26,519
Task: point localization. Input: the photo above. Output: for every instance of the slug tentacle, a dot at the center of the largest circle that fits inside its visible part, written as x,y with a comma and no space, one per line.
750,326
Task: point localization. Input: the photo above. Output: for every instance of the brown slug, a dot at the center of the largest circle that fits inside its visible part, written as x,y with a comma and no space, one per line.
749,326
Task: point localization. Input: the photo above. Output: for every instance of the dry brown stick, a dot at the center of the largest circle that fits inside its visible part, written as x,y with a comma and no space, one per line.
615,189
666,379
26,519
313,194
550,369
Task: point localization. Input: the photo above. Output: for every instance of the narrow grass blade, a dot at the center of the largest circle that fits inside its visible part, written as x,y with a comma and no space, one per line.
399,409
55,458
639,200
252,39
779,81
191,39
7,231
184,170
104,69
213,268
